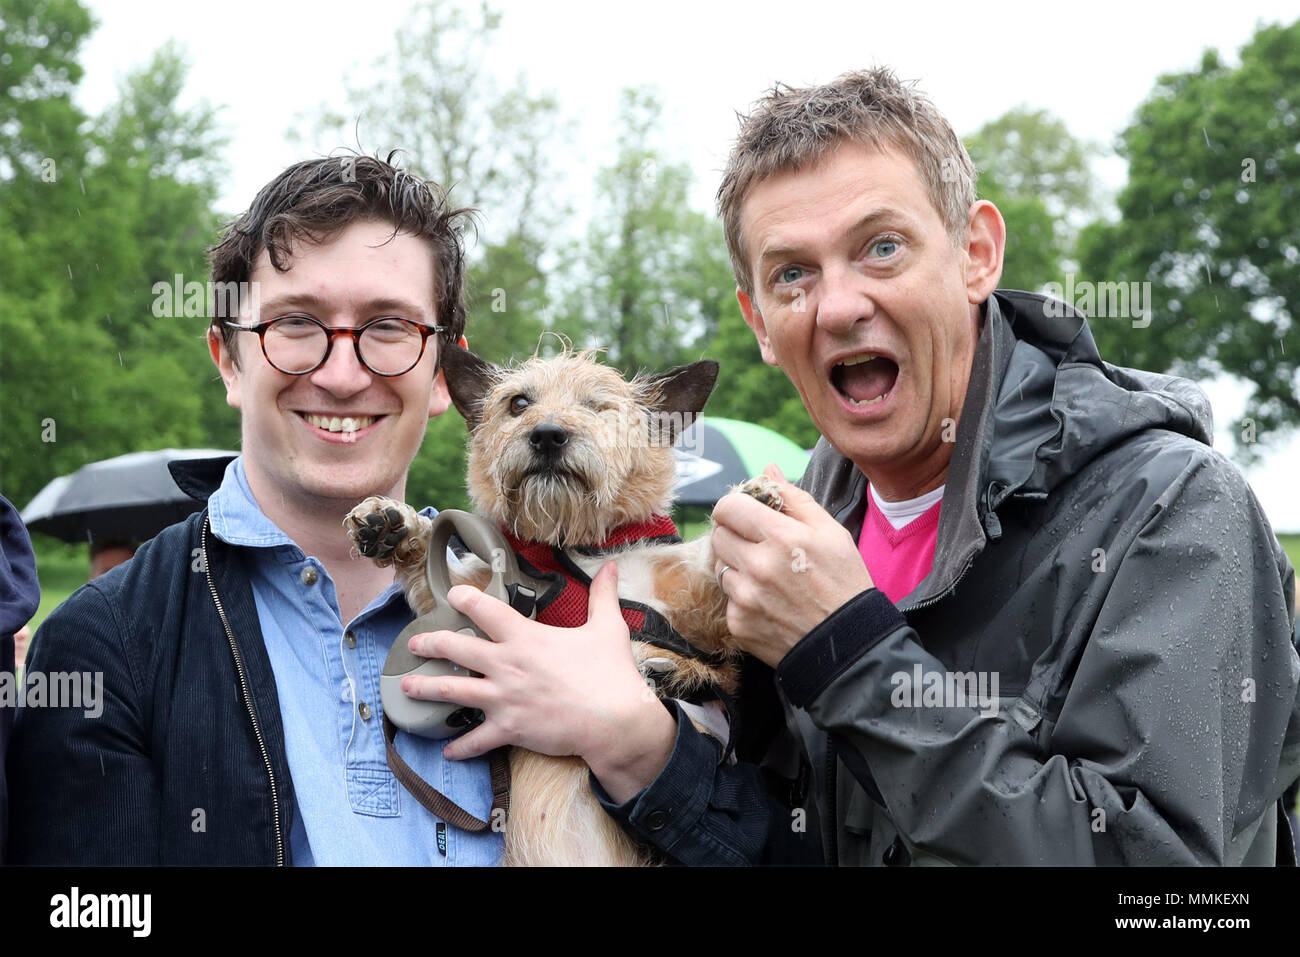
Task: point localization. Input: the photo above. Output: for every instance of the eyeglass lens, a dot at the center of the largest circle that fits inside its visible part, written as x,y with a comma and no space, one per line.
388,347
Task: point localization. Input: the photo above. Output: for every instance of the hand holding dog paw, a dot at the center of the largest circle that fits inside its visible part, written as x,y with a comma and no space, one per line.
784,572
557,691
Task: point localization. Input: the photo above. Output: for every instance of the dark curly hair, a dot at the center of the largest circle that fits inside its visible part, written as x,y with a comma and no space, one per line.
315,199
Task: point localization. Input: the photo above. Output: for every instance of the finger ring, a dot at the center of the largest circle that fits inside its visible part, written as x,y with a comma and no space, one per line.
725,568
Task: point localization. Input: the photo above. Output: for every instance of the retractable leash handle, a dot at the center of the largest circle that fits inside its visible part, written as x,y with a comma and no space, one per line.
439,719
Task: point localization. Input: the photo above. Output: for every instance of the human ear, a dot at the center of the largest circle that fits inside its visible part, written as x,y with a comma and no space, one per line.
754,319
225,362
986,239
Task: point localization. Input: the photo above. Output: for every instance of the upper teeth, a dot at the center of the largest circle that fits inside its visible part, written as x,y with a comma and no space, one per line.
347,423
857,361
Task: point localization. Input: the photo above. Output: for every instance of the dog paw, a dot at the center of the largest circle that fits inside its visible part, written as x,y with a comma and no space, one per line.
763,489
381,529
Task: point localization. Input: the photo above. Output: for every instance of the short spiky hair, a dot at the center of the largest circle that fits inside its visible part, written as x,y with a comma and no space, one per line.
790,129
314,199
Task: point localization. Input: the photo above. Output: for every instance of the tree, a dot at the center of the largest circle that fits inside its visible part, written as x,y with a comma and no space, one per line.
162,165
1039,177
654,271
91,214
1207,218
1031,153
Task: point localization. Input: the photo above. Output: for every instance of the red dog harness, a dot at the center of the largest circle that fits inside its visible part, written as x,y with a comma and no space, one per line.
564,604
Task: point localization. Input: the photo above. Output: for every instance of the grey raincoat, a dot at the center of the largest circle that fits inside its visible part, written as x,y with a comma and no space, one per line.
1118,579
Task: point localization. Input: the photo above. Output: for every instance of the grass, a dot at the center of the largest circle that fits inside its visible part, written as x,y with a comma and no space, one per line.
1292,545
692,521
61,568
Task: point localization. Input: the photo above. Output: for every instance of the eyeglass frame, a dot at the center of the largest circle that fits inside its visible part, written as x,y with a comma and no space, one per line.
334,332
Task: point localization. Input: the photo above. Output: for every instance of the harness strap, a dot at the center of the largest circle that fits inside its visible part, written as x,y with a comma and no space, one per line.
438,804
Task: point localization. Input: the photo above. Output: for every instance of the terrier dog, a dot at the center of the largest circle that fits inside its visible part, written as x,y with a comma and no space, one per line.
575,464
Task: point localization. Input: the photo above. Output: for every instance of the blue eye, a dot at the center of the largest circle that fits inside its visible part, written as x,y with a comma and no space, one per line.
891,246
790,274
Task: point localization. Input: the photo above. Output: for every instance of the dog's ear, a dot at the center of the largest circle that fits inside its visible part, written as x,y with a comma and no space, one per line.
469,378
682,394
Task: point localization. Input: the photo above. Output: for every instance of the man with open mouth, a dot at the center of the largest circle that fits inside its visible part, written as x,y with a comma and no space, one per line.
1019,611
991,505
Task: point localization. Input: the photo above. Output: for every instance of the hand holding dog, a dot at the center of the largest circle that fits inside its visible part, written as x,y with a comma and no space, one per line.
786,572
557,691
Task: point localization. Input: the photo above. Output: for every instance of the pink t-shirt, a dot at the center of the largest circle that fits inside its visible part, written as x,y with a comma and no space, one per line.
898,559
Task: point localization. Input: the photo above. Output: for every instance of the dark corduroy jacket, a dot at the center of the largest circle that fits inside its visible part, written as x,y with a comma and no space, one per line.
186,764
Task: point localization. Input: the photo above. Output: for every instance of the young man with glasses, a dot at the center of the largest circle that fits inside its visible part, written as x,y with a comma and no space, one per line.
240,651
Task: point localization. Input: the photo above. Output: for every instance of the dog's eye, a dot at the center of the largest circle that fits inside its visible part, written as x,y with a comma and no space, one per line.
518,404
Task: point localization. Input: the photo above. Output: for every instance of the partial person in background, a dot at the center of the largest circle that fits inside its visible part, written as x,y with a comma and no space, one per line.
20,593
107,554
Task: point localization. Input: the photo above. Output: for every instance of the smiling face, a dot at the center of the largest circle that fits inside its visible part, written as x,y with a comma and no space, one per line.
871,311
295,452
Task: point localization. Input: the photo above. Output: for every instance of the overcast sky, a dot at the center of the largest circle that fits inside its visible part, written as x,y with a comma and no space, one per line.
268,61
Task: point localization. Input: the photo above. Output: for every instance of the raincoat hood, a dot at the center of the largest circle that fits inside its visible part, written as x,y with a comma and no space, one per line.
1059,405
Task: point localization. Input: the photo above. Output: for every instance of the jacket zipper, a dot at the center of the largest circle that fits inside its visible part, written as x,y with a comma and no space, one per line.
248,699
947,592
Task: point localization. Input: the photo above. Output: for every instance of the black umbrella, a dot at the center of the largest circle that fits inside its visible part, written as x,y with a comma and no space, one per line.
715,454
129,498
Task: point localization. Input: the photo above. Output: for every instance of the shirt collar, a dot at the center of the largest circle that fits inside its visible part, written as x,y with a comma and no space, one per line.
236,517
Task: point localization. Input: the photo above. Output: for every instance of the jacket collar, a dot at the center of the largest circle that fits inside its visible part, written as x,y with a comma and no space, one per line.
199,478
963,526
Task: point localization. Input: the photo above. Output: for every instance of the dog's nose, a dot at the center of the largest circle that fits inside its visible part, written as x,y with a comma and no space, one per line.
548,438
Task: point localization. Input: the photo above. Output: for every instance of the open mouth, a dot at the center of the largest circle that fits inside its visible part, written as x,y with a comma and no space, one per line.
340,423
865,379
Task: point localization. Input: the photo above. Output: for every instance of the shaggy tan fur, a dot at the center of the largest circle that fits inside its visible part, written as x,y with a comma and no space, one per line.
616,467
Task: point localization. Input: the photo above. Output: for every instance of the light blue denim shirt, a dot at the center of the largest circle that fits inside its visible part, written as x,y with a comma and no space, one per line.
349,807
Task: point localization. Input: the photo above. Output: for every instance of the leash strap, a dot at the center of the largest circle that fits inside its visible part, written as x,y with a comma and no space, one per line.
438,804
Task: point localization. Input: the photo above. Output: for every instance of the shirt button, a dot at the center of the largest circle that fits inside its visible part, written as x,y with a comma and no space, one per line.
657,820
350,638
309,576
364,710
